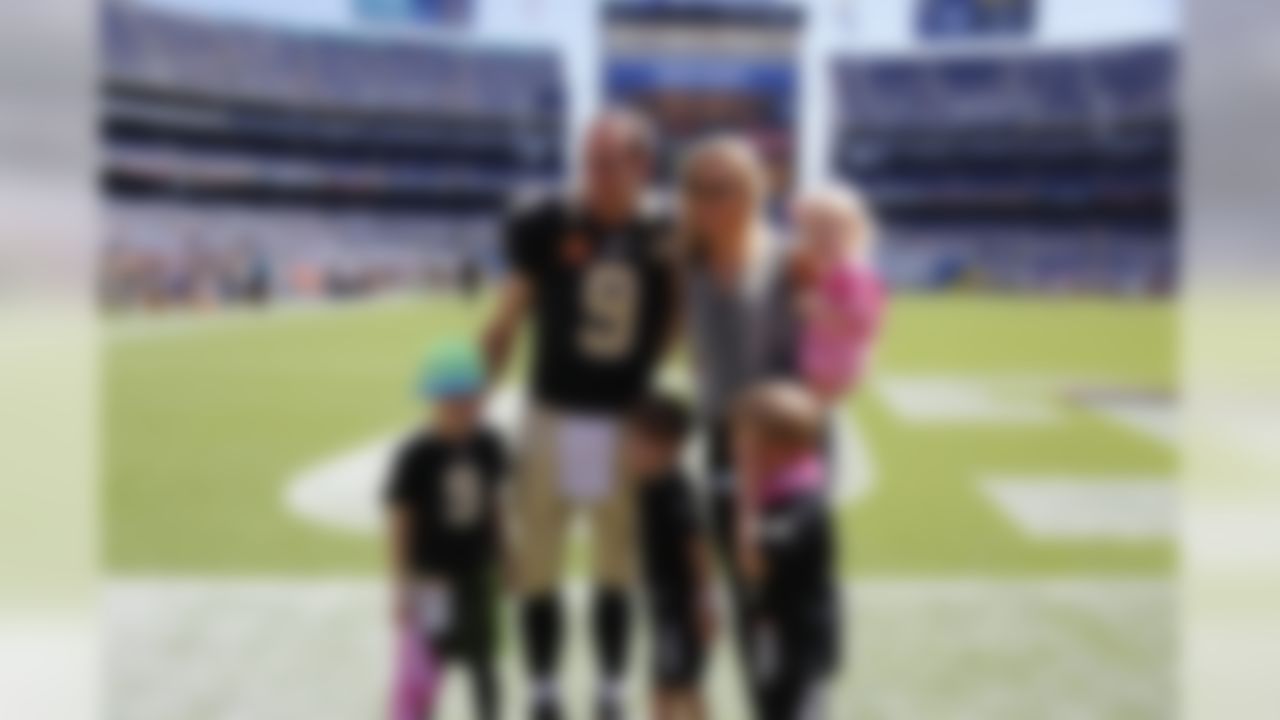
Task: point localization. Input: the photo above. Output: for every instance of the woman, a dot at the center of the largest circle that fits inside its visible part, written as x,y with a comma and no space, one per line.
739,311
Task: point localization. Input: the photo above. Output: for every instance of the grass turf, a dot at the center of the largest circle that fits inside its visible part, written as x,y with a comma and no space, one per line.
207,419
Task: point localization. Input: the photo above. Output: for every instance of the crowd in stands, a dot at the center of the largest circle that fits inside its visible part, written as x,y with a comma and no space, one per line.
1034,259
161,255
1043,170
245,164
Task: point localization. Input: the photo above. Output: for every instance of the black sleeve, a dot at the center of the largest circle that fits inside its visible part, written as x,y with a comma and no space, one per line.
399,486
496,455
685,512
524,240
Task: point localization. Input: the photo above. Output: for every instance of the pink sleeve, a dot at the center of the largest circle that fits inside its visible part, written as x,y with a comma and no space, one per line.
856,295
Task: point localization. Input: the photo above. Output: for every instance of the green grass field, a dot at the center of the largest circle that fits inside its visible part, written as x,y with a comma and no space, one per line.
1009,555
207,419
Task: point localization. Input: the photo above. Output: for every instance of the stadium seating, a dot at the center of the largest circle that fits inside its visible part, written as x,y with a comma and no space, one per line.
990,147
168,50
332,151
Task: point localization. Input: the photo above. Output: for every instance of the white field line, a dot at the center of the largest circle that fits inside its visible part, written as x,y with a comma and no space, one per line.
1154,418
968,399
49,665
190,322
343,492
953,649
1077,507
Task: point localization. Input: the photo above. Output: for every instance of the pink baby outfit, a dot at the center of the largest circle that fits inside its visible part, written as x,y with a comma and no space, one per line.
835,344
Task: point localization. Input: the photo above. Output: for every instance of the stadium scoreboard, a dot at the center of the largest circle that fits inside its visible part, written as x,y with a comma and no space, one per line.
425,12
958,19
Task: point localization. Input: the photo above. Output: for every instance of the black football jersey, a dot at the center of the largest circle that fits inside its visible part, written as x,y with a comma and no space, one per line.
668,524
452,490
603,304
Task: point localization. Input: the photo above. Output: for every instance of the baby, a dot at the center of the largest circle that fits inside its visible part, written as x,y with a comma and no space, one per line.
840,297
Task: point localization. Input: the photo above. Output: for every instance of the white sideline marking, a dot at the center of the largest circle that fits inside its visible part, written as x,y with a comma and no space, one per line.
1086,508
1010,399
945,649
1155,418
343,492
49,665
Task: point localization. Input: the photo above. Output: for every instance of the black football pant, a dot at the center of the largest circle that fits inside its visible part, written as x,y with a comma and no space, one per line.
794,616
471,640
722,514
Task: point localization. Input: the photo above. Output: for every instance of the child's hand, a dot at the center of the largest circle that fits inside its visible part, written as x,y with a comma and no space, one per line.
705,618
751,562
401,605
510,571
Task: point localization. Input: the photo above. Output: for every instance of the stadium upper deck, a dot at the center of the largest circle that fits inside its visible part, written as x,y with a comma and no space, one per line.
228,138
995,154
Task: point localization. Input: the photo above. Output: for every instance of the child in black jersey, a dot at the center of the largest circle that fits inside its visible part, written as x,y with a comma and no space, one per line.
675,558
786,550
445,525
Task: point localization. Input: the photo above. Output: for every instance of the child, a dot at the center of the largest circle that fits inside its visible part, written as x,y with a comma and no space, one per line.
840,297
786,550
445,526
676,558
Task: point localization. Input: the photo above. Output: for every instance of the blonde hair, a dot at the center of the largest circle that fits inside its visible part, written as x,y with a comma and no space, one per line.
743,161
850,206
784,412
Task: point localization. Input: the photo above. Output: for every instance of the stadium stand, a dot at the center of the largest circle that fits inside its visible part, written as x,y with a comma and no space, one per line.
247,162
1055,169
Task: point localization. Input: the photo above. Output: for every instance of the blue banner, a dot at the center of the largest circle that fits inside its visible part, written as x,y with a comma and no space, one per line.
689,73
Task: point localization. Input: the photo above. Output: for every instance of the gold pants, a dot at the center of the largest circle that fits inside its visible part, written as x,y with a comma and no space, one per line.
543,513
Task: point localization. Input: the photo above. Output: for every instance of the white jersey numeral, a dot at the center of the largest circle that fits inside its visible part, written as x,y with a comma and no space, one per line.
610,300
462,496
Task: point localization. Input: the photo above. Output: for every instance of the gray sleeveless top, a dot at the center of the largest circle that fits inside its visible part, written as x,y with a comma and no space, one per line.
739,335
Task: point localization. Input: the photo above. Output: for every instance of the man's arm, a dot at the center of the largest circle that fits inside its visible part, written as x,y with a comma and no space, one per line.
504,326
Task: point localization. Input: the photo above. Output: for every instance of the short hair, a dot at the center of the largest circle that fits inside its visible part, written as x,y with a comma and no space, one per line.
662,416
785,412
635,127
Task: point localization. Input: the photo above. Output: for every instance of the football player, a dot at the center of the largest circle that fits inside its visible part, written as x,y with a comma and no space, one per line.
593,277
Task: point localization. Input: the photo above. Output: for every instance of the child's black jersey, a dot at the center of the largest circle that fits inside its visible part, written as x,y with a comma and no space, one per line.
451,490
668,525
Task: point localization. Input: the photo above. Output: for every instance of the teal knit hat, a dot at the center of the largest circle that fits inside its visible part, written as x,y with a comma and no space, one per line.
452,369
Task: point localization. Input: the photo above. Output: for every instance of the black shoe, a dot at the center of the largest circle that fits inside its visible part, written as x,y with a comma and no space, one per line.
547,711
609,710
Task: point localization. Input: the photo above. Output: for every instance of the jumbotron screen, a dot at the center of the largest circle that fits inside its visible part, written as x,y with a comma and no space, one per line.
691,100
945,19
